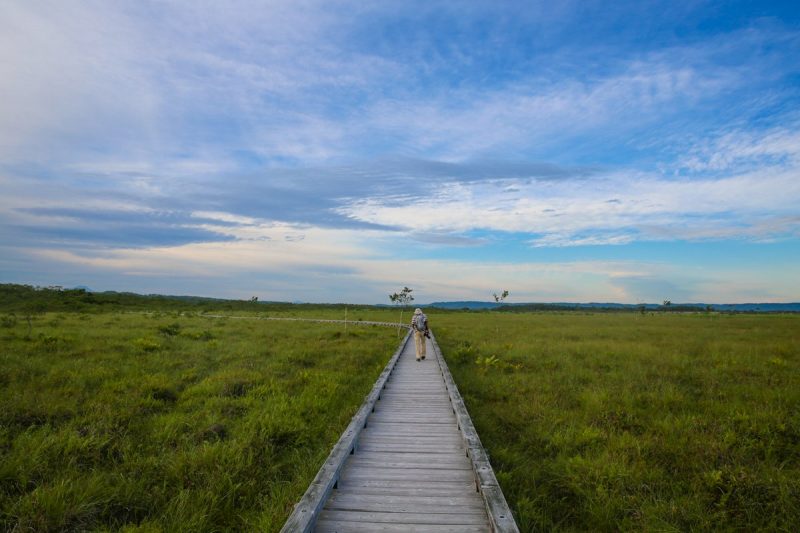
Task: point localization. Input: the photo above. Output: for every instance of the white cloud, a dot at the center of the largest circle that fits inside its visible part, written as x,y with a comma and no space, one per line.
612,209
778,146
339,265
343,258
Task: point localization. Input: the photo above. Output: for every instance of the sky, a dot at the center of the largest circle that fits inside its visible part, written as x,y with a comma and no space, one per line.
337,151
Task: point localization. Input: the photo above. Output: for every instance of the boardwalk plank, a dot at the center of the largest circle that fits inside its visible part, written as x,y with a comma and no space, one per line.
405,518
460,500
453,486
409,456
423,490
411,464
356,503
342,526
410,474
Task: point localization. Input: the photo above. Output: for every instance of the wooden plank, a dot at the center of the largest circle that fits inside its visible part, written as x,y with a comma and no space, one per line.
383,424
446,414
453,438
389,417
393,433
413,385
417,444
342,526
415,447
354,503
417,489
405,518
406,429
415,405
461,500
363,455
432,485
443,441
421,414
423,426
408,474
422,423
430,465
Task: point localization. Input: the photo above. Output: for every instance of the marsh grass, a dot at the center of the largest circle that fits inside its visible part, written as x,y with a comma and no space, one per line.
607,422
168,421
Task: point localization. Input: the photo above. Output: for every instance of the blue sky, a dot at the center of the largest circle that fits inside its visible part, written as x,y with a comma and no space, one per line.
337,151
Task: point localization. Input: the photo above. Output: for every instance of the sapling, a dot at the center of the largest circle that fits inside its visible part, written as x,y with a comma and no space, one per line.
402,299
498,298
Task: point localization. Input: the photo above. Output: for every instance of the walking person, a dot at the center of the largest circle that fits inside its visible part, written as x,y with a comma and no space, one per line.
419,323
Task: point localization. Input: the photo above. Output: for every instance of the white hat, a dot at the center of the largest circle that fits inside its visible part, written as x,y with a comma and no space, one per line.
417,311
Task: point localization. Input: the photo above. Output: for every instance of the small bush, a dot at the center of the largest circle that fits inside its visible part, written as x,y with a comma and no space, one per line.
214,432
164,395
204,335
49,343
8,321
170,330
147,345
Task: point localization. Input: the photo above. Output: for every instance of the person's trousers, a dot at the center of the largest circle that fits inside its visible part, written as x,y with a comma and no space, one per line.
419,343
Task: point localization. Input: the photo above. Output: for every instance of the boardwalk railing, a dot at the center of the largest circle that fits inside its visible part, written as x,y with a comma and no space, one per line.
305,513
500,517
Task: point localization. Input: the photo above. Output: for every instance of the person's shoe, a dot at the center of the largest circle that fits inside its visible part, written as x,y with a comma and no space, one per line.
423,357
418,359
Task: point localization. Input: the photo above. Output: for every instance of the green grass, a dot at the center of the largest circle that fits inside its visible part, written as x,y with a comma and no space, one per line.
594,421
608,422
126,421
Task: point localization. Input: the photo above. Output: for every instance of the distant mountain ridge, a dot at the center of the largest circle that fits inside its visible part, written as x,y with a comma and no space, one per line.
792,307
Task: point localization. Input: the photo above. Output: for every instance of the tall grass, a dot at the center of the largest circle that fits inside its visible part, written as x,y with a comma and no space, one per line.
607,422
130,422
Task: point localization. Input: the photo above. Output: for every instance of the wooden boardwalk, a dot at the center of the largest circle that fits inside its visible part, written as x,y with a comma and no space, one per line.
410,461
410,470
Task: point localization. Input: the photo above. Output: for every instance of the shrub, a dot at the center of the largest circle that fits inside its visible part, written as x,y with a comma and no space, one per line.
164,394
214,432
170,330
147,345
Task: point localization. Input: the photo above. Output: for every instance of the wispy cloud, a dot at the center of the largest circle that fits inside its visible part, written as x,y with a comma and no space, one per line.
733,150
606,209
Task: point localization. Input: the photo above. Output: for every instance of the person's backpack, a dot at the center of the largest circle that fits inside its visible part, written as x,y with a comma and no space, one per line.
421,323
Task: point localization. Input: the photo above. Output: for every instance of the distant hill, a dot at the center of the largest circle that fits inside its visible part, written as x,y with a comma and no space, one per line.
464,305
793,307
27,298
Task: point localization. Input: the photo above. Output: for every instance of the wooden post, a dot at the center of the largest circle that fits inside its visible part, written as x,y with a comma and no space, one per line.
400,325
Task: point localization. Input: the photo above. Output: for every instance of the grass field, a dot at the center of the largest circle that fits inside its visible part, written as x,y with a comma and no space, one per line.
117,421
607,422
114,420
